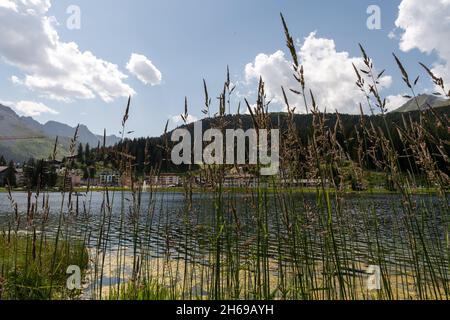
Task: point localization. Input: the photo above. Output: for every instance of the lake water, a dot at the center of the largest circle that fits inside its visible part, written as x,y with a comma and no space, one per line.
161,217
166,228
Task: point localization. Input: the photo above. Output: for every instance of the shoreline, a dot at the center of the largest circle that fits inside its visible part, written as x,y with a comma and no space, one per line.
297,190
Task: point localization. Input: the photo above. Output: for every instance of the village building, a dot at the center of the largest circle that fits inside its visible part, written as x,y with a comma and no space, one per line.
70,178
307,183
165,180
240,181
109,178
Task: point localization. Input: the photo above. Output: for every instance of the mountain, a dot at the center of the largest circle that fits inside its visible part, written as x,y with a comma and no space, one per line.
40,137
424,101
37,146
12,125
54,129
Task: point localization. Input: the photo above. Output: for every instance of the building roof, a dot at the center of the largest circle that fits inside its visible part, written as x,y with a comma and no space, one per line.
3,169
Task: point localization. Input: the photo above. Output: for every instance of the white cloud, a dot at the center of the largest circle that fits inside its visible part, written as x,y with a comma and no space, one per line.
144,70
392,35
16,80
328,73
395,101
8,4
6,103
59,70
176,121
426,26
32,109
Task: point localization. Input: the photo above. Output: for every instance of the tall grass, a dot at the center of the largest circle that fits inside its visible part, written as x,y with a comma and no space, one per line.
272,241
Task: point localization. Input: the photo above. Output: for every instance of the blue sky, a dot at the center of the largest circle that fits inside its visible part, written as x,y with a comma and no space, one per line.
191,40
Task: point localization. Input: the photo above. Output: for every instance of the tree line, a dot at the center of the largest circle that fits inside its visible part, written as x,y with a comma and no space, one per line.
154,152
35,174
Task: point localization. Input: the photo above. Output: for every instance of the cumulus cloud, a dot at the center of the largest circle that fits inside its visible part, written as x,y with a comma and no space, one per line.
426,26
32,109
394,102
8,4
328,73
144,70
59,70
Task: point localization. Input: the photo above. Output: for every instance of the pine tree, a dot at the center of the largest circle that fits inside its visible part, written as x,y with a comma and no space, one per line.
85,173
29,171
2,161
80,155
92,172
11,175
52,178
87,154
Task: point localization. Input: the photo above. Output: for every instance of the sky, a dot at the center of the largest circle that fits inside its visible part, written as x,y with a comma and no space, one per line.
77,61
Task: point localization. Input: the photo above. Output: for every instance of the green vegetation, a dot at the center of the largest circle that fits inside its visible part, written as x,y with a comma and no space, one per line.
268,241
33,267
146,291
26,149
148,152
258,247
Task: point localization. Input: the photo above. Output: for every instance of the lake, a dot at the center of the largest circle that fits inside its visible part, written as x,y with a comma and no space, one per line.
279,228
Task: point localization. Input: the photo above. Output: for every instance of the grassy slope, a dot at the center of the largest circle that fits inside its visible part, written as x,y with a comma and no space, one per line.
21,150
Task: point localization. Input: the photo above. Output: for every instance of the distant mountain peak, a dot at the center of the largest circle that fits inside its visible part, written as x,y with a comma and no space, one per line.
424,101
12,125
85,136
